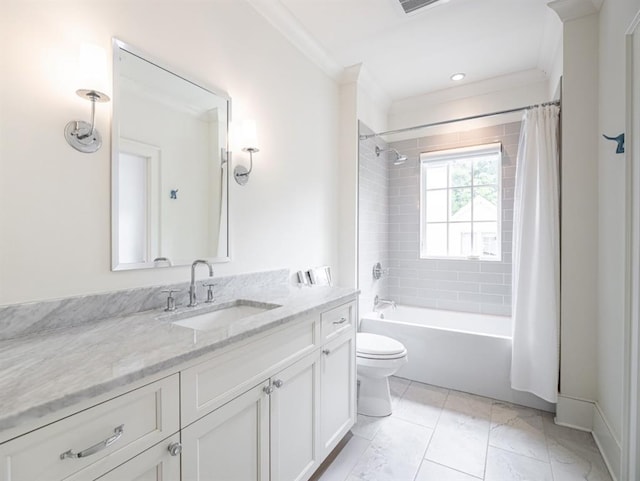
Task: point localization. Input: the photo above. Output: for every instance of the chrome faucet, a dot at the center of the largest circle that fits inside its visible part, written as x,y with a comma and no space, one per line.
378,303
192,287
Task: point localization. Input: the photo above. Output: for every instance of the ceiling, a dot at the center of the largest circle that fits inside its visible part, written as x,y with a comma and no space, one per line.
416,53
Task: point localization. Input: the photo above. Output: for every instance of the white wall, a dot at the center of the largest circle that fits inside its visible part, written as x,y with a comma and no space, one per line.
55,215
579,220
361,99
477,98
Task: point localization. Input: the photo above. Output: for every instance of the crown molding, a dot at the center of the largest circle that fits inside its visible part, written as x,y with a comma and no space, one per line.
283,21
569,10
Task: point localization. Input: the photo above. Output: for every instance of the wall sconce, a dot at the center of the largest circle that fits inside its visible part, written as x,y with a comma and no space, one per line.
247,136
92,63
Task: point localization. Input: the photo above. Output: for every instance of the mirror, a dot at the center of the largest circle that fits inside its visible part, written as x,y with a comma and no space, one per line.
169,169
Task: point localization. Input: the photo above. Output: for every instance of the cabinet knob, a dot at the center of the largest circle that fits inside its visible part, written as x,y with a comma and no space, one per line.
326,352
268,389
175,449
278,383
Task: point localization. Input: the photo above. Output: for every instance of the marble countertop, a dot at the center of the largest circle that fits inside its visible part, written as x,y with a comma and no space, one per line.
40,374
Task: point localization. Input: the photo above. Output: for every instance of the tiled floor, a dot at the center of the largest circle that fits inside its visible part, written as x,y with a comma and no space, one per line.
439,435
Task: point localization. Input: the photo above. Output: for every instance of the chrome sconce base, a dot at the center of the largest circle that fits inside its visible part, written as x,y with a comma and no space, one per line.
82,135
79,136
240,172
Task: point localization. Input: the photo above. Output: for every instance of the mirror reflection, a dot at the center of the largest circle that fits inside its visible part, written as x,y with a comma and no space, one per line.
169,169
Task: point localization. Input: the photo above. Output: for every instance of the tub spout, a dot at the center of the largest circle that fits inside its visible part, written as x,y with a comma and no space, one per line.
380,303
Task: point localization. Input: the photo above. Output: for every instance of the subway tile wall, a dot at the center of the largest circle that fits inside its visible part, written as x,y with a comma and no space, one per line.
373,220
459,285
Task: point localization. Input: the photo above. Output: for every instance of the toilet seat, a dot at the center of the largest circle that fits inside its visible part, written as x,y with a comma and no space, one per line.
374,346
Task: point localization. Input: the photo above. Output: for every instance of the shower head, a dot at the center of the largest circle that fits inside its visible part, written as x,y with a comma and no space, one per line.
400,158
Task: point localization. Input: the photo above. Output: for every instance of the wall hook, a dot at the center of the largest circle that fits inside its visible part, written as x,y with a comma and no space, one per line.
620,140
174,194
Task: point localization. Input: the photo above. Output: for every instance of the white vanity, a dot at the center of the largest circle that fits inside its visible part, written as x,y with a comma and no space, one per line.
267,398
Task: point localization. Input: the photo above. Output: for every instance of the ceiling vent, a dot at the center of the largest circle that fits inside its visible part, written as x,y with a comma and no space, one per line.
413,5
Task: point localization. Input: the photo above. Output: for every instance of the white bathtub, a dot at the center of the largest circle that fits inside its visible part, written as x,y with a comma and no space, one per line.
456,350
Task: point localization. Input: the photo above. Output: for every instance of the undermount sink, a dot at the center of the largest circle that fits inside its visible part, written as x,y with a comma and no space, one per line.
224,314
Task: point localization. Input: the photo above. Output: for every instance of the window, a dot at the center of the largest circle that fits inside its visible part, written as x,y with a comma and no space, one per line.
460,203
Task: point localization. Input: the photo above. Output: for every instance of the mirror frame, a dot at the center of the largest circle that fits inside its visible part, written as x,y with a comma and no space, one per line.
225,156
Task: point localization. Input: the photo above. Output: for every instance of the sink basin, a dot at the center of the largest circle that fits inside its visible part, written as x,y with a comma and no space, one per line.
224,314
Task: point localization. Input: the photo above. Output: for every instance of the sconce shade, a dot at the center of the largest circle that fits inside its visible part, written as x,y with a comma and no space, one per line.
92,68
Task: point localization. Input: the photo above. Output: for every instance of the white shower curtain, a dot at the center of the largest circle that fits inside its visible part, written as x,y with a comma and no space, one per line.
536,257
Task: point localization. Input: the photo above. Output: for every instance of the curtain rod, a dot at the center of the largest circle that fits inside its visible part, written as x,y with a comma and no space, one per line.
444,122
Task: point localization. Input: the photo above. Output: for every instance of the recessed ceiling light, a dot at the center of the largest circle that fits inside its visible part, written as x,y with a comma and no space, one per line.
458,76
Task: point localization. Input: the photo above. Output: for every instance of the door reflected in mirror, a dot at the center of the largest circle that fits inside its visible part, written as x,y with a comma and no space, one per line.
169,166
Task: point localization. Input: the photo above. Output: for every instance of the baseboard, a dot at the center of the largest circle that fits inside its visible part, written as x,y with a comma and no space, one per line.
587,416
575,413
609,445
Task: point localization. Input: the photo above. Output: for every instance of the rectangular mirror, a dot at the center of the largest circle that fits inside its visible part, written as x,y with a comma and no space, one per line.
169,169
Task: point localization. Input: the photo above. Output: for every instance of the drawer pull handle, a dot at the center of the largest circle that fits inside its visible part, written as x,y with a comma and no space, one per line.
341,321
326,352
117,433
175,449
278,383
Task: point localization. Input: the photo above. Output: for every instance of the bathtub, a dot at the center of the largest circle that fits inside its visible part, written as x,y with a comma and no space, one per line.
455,350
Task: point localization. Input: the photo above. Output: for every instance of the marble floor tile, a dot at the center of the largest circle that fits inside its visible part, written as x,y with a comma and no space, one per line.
574,454
576,461
397,386
519,430
470,404
436,472
462,434
345,461
473,438
505,465
367,426
395,453
421,404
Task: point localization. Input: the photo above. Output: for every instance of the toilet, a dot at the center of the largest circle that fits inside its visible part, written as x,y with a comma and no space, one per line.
377,358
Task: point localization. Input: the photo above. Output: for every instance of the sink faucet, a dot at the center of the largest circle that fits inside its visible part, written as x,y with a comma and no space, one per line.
378,303
192,287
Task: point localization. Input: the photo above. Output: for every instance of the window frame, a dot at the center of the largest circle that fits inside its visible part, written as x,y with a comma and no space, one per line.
447,157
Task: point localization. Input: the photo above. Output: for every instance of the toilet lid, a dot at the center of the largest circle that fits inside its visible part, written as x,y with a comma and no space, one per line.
374,344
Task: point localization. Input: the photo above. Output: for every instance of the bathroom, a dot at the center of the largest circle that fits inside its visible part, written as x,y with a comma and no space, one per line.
299,207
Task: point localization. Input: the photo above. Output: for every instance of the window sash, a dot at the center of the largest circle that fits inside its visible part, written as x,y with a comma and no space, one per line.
447,158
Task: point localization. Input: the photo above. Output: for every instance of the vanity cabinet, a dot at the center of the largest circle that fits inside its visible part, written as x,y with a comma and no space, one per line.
270,407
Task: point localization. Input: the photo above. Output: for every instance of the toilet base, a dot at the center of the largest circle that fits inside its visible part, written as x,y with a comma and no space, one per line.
374,397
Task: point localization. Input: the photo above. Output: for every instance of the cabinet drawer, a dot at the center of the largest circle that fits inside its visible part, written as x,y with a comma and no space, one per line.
338,321
208,385
104,436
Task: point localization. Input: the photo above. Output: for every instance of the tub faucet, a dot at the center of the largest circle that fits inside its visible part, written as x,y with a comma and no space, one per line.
378,303
192,287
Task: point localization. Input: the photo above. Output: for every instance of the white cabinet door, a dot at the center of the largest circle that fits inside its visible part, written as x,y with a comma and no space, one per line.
231,443
154,464
337,391
295,398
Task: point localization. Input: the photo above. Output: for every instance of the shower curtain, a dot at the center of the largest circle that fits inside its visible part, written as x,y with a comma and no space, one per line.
536,257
